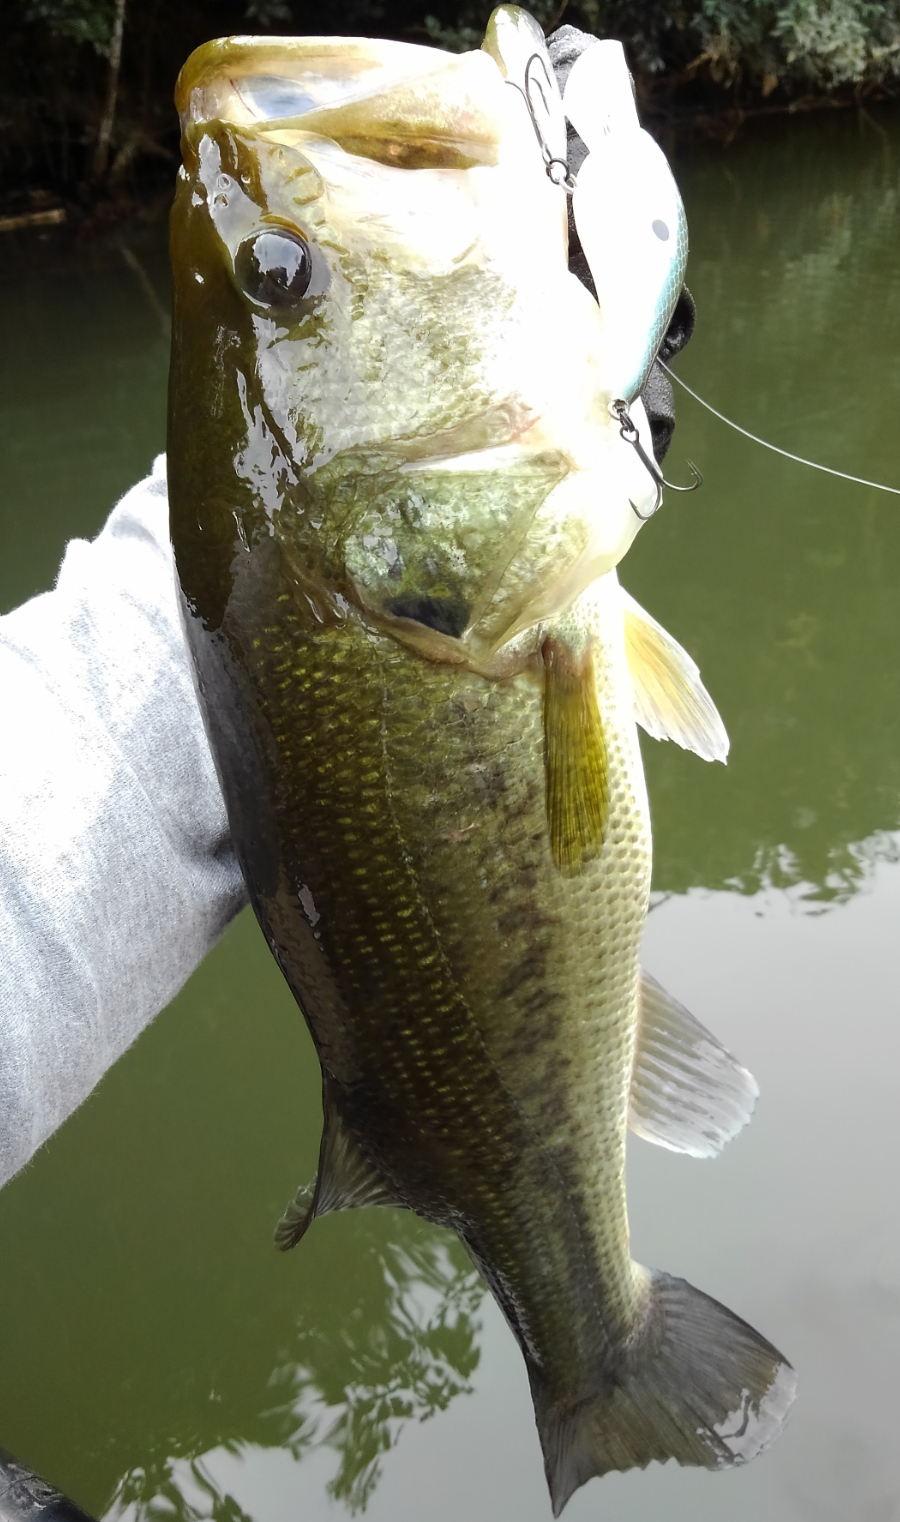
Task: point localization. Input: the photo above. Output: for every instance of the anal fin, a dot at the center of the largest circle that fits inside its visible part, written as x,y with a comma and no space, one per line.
687,1091
670,701
346,1179
575,758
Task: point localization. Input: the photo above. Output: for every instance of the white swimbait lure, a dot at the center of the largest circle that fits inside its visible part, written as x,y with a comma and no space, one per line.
630,218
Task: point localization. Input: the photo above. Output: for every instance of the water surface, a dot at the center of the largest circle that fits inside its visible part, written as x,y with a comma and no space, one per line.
160,1359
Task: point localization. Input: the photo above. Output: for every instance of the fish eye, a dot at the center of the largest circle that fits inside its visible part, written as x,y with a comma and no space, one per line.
274,267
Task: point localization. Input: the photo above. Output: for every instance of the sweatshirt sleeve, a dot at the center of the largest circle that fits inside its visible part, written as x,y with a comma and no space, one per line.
117,872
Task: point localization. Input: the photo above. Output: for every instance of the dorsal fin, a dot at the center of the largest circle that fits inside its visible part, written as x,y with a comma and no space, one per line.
670,701
575,759
687,1091
346,1179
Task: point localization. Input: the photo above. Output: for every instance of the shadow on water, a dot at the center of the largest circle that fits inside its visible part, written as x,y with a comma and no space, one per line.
145,1320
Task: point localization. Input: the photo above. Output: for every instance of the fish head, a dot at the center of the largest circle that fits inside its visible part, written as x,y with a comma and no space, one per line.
380,359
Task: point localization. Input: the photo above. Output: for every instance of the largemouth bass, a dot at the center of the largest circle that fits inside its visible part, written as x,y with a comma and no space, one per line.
398,499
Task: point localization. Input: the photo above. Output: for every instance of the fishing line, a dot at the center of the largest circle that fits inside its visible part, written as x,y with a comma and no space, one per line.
813,464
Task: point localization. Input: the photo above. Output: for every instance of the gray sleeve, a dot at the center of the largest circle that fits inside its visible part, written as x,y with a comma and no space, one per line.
117,872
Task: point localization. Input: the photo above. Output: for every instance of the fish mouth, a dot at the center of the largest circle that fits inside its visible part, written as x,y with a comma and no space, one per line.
401,104
253,80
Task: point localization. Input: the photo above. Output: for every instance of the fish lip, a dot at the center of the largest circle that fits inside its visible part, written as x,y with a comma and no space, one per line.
507,425
490,457
241,57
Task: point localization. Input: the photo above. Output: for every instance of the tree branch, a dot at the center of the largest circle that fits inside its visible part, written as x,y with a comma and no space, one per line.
101,152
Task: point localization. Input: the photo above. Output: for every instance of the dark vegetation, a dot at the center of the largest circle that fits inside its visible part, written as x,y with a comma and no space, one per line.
86,85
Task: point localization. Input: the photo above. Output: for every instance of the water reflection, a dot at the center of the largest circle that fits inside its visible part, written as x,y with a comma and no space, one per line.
170,1328
82,389
408,1357
398,1348
782,582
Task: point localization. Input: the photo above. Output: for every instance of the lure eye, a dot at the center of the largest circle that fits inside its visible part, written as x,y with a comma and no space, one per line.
274,268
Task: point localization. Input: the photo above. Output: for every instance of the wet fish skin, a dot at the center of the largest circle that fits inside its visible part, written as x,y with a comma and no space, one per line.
469,972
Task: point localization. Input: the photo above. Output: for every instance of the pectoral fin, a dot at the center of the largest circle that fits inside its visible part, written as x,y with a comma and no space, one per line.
346,1179
687,1091
575,759
670,701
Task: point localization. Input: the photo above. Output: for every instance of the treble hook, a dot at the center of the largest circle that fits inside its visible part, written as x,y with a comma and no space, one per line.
629,433
552,165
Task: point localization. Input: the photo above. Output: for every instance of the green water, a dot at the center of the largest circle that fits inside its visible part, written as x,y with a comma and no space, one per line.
159,1359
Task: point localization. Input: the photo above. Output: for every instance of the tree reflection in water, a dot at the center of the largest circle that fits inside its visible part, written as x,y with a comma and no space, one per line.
350,1383
784,584
411,1363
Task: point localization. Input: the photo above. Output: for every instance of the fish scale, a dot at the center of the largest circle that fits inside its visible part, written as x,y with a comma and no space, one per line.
430,1056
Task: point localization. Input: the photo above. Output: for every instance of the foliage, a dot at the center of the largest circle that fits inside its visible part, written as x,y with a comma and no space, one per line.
75,20
840,42
821,44
53,79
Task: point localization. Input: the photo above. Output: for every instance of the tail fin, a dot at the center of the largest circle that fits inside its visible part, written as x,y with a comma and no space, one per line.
704,1389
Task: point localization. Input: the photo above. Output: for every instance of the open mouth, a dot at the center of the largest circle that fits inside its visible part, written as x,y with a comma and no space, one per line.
252,80
399,104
